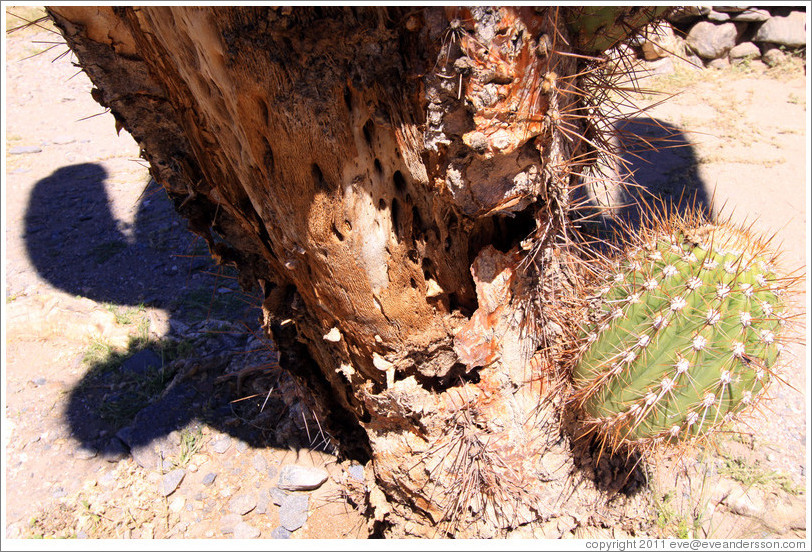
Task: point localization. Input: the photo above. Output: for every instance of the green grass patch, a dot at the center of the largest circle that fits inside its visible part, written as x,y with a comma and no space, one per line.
753,474
116,392
191,442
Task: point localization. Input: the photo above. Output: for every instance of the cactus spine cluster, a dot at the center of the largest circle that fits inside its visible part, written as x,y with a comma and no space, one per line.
685,335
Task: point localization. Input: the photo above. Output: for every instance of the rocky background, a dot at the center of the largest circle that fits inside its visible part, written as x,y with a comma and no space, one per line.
720,36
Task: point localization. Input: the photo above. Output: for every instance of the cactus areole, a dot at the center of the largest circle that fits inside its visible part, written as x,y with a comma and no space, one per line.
685,336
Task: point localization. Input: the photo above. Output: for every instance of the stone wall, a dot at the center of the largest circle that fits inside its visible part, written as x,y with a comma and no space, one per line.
722,35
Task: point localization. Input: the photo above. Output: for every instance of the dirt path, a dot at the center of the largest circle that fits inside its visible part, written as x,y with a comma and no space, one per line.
130,360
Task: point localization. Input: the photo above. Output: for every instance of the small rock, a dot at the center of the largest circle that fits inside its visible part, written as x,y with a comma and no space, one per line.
293,511
170,481
262,503
19,150
718,17
115,450
710,41
228,522
221,445
356,471
85,453
107,479
300,478
245,531
59,492
773,56
63,140
177,504
751,15
209,478
744,503
39,381
280,533
719,63
277,495
242,504
743,51
787,30
241,446
260,463
81,534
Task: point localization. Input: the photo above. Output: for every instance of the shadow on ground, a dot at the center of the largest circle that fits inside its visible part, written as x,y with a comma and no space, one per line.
139,401
660,161
213,367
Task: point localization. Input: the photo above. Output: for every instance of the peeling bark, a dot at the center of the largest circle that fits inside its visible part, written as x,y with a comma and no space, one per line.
378,188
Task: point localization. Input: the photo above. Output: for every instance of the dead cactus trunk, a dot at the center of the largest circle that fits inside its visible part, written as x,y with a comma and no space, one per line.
398,181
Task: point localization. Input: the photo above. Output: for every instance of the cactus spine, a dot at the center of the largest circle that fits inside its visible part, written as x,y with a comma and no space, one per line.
686,334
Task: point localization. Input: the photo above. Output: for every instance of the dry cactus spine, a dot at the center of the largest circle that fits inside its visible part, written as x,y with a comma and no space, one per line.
685,330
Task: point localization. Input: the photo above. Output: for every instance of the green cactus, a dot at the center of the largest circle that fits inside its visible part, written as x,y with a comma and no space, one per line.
685,336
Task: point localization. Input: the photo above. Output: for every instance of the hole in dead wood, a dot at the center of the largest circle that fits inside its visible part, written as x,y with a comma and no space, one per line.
318,178
263,110
368,129
412,254
455,304
456,376
396,219
348,98
428,269
447,244
413,283
418,228
267,157
337,233
400,182
378,167
381,204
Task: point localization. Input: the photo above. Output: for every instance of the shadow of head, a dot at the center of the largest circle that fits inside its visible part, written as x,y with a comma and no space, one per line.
77,245
657,166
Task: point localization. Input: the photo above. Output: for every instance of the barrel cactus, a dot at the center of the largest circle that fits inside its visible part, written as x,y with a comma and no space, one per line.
684,331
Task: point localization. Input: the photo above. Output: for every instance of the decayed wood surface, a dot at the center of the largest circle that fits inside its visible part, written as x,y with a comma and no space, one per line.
375,172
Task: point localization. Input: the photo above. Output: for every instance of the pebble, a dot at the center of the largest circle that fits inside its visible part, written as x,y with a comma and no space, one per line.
300,478
245,531
39,381
59,492
744,503
277,495
18,150
242,504
177,504
221,445
293,511
209,478
241,446
356,471
228,522
107,479
115,450
171,481
280,533
83,453
262,503
260,463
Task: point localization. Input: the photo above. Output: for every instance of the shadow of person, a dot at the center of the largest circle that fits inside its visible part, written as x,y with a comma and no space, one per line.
133,401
